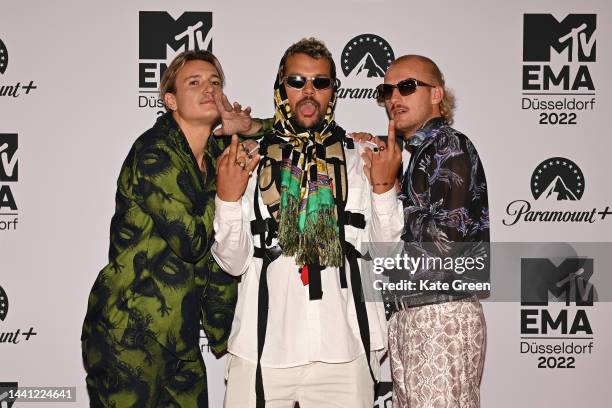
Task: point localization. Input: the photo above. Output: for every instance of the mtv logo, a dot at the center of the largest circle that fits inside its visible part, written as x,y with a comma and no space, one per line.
159,32
542,281
5,388
8,157
574,34
383,397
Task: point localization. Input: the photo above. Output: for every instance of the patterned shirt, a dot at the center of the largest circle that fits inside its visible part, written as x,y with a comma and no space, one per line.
444,194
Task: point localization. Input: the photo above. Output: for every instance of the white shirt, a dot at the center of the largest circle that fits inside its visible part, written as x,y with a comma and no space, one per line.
300,330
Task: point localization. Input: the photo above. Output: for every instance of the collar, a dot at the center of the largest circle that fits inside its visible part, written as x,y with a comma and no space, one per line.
428,130
170,126
167,122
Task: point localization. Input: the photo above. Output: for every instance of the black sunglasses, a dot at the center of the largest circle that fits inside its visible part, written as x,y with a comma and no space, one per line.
405,88
299,81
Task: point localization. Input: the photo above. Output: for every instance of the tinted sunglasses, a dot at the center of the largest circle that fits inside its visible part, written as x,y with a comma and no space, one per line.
299,81
405,88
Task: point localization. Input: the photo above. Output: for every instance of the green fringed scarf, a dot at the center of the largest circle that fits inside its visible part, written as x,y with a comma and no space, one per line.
307,217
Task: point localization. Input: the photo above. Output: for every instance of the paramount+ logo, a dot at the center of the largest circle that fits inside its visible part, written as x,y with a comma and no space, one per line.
555,183
11,337
557,59
161,38
12,89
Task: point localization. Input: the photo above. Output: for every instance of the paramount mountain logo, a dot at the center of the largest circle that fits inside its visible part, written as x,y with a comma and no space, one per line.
367,67
557,179
3,57
554,182
4,305
364,60
560,190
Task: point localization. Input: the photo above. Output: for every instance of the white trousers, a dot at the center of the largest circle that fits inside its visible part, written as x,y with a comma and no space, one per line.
314,385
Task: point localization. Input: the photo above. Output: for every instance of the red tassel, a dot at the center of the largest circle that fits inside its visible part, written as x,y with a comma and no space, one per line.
304,275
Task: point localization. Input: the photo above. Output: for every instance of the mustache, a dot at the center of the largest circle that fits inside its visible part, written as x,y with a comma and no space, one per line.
308,99
398,106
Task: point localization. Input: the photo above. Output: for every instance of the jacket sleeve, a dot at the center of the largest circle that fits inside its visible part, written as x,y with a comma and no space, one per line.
266,127
218,307
166,192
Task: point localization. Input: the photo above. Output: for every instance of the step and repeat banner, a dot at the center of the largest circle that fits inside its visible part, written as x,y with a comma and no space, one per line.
78,84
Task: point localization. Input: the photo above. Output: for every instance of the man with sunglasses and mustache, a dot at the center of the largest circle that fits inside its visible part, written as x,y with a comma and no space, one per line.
436,337
302,332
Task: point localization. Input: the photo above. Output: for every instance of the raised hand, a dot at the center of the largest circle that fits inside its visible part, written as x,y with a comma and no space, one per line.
381,166
234,168
234,119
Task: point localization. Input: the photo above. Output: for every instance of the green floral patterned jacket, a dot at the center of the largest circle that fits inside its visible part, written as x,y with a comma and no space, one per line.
161,279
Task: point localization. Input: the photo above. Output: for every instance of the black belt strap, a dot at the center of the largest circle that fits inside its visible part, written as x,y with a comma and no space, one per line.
268,256
315,288
262,325
340,212
263,301
360,308
354,219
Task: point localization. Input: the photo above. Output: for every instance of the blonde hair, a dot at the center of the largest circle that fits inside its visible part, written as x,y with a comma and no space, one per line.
448,103
168,81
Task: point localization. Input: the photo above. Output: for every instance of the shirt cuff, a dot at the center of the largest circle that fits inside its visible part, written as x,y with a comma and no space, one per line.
228,210
384,203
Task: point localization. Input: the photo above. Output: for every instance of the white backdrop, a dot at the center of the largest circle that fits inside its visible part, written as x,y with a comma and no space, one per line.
75,128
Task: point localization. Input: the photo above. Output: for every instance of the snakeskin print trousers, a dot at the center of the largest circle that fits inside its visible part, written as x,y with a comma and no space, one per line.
437,354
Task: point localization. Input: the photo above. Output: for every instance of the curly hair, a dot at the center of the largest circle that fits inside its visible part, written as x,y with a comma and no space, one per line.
312,47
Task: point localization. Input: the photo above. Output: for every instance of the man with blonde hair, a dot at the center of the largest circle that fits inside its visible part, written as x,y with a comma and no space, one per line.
436,338
140,337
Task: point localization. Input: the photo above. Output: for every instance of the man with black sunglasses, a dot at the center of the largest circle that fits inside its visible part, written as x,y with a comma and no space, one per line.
302,332
436,337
